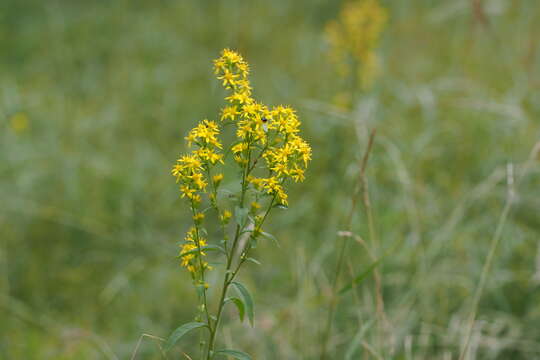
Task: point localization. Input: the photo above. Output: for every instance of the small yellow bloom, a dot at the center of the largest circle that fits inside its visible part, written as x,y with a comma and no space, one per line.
217,178
354,36
255,206
19,122
198,217
238,148
229,112
229,79
226,216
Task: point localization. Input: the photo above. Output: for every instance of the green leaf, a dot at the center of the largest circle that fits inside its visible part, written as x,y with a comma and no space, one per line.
241,215
239,305
240,355
280,206
180,332
271,237
253,260
248,301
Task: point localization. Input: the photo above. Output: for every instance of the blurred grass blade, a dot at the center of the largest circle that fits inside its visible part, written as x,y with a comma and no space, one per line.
240,355
248,301
180,332
357,341
360,277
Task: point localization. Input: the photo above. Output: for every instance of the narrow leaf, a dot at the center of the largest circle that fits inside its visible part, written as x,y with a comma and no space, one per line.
253,260
271,237
248,301
239,305
180,332
357,340
241,215
240,355
360,277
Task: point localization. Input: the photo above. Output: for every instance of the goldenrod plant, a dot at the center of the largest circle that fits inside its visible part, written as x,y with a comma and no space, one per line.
353,38
268,153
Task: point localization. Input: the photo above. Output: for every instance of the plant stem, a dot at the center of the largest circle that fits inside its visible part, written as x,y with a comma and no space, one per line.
228,278
489,260
199,256
348,225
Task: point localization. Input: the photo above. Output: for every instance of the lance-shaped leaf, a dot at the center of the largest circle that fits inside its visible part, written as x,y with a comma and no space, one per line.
248,301
239,305
180,332
240,355
241,216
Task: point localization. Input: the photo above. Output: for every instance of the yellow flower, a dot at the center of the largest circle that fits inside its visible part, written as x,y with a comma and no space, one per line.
196,199
297,174
186,191
19,122
229,79
242,97
238,148
255,206
198,179
198,217
354,36
205,133
226,216
208,155
229,112
217,178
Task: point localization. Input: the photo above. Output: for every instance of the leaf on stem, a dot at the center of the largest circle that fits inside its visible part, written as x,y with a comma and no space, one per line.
248,301
241,216
253,260
240,355
180,332
239,305
271,237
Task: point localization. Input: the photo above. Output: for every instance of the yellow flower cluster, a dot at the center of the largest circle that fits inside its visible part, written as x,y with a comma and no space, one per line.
188,252
267,141
354,36
262,132
189,168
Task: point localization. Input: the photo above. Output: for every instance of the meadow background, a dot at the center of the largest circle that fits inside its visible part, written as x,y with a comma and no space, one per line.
96,97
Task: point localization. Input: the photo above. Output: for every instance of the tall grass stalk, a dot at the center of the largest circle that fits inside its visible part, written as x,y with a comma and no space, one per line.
489,260
359,189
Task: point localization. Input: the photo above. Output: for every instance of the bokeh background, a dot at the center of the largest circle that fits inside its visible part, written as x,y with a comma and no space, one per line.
96,97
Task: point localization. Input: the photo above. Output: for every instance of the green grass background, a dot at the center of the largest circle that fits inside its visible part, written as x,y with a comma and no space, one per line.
90,216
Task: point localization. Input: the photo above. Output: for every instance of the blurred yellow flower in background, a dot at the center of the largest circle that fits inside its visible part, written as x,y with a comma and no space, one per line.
19,122
353,37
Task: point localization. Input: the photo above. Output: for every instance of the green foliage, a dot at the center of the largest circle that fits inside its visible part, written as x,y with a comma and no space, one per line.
180,332
247,300
239,305
89,218
234,353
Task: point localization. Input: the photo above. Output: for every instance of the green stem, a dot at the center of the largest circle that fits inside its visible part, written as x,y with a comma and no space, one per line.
199,253
227,278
